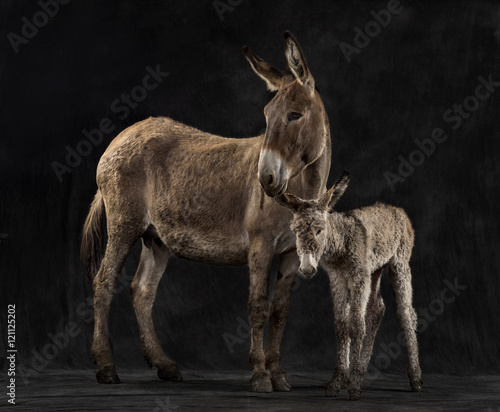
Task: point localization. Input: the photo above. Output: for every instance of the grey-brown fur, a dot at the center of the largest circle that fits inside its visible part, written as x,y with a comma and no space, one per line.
354,247
196,195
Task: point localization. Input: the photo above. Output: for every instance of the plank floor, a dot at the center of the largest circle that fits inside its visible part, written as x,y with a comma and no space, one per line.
77,390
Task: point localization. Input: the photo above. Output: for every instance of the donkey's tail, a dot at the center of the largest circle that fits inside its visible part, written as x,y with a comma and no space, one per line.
92,247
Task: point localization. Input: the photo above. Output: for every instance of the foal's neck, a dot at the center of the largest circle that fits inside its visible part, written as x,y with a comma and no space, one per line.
337,228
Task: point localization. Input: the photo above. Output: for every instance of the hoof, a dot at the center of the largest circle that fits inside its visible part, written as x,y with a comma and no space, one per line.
416,385
107,375
170,373
354,394
280,384
261,382
333,388
338,382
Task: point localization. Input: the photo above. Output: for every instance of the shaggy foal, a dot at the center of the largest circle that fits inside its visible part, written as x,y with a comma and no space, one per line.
354,247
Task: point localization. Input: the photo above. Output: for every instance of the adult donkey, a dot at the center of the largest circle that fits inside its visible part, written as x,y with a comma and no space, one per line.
197,196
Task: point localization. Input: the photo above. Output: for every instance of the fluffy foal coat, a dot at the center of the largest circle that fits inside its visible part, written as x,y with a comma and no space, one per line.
354,247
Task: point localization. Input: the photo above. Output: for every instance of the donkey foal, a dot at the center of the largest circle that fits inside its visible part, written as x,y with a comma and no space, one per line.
354,247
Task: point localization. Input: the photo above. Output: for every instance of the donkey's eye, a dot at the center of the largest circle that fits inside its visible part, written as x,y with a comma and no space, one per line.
294,116
318,232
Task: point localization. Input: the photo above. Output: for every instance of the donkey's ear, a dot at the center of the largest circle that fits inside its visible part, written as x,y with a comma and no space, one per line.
288,200
297,62
271,76
338,189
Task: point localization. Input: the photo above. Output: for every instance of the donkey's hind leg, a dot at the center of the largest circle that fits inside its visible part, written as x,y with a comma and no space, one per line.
104,284
374,314
400,275
143,290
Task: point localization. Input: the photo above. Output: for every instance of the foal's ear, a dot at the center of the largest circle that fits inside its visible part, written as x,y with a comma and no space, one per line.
264,70
297,61
288,200
335,193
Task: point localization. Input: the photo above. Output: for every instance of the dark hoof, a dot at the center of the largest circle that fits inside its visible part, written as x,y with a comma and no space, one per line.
416,385
339,381
107,375
170,373
261,382
354,394
333,388
280,384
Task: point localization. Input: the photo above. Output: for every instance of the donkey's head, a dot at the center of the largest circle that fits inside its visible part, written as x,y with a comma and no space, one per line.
310,223
297,125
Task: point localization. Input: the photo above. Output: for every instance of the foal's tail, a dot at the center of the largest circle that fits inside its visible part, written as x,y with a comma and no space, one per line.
92,247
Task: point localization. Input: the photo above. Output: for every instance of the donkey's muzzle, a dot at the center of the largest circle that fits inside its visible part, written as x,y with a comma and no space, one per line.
272,175
273,184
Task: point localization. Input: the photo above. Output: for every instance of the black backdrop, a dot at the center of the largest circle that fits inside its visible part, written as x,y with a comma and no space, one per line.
394,90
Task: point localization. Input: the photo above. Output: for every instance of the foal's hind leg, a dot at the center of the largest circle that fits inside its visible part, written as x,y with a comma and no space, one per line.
374,314
143,290
400,275
118,247
357,329
287,273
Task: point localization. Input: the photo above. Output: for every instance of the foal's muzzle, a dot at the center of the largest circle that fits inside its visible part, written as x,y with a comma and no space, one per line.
308,266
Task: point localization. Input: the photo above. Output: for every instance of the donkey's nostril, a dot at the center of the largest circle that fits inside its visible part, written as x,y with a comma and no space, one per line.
270,180
270,183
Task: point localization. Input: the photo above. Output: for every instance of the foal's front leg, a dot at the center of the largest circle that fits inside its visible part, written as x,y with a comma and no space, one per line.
341,306
259,263
360,292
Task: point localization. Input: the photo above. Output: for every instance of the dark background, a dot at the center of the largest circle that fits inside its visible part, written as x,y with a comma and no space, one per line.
393,92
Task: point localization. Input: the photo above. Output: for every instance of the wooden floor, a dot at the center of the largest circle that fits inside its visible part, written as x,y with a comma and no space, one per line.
77,390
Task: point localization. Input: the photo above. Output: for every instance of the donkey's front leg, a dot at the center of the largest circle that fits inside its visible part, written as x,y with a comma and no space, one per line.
287,273
259,263
357,329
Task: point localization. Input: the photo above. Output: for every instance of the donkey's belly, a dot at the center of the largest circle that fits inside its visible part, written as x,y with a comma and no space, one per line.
214,248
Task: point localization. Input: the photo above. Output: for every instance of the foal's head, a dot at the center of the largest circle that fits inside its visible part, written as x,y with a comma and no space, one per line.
310,223
297,125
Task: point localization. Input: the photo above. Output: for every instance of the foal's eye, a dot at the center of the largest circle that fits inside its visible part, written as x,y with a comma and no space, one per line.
294,116
318,232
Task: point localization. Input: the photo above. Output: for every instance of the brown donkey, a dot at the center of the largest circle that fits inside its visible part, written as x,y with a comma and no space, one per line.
354,247
197,196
